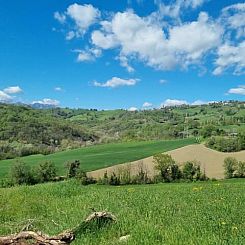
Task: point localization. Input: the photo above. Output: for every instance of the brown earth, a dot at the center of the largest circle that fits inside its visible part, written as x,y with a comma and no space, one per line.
211,161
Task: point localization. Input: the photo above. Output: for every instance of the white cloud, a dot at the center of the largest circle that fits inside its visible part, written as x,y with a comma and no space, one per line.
201,102
84,56
60,17
240,90
174,102
117,82
230,57
175,8
133,109
13,90
196,38
83,15
70,35
233,18
147,104
88,54
163,81
47,102
124,63
58,89
5,97
102,40
147,41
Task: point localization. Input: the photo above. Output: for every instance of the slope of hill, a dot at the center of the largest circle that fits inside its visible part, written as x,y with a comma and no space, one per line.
99,156
211,161
25,131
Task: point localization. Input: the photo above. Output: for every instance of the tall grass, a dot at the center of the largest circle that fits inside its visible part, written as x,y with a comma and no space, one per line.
195,213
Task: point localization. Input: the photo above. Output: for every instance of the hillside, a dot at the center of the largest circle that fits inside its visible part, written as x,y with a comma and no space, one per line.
211,161
26,131
99,156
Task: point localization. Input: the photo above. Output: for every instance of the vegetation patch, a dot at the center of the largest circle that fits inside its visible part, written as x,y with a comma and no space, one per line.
196,213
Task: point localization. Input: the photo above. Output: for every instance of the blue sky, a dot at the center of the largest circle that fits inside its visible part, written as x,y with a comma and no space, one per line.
108,54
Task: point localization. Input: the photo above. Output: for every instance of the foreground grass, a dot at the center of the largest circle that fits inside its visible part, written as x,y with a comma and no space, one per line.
197,213
100,156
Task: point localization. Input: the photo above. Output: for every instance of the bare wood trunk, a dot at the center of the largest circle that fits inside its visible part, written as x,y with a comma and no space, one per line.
64,238
30,237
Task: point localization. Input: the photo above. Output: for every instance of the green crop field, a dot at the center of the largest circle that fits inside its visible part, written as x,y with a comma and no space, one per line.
100,156
185,213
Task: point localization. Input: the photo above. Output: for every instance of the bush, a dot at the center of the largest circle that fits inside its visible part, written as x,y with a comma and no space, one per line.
104,180
46,172
22,174
6,183
192,171
240,170
165,164
84,179
230,164
114,179
73,168
142,176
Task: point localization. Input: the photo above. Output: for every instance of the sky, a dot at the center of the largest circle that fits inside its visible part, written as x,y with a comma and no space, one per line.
130,54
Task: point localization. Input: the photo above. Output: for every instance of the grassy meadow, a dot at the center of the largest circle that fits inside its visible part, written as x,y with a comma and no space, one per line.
99,156
185,213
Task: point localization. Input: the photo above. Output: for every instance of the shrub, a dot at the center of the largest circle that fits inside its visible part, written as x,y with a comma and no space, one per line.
114,179
104,180
84,179
46,172
73,168
191,170
230,164
124,174
142,176
167,167
22,174
240,170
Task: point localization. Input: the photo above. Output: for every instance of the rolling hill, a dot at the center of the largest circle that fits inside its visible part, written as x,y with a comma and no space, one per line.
99,156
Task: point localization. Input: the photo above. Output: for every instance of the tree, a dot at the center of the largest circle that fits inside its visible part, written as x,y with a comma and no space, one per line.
46,172
22,174
73,168
230,164
240,169
167,167
191,170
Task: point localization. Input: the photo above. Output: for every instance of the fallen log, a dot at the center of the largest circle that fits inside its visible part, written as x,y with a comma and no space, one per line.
64,238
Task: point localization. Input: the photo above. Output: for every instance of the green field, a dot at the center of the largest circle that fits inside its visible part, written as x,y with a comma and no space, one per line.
100,156
196,213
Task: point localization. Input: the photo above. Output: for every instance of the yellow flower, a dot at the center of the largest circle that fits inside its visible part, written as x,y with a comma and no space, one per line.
223,223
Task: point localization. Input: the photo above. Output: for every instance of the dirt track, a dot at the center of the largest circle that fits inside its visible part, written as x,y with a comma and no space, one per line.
212,161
